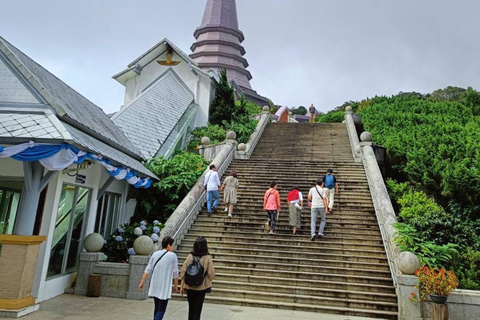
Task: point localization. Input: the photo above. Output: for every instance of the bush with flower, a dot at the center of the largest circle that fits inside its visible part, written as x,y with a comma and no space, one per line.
435,281
120,245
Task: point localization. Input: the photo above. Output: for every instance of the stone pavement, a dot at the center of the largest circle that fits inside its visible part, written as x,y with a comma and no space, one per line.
75,307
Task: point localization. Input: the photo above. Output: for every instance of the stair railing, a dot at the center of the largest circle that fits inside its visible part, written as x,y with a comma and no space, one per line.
352,134
363,151
255,137
187,211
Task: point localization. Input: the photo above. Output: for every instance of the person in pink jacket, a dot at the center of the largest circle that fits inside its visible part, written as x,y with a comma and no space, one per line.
271,204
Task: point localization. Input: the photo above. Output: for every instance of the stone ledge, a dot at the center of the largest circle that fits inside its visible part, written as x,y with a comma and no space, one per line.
22,240
16,304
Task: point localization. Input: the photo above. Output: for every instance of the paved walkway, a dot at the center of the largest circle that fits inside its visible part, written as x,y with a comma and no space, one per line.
75,307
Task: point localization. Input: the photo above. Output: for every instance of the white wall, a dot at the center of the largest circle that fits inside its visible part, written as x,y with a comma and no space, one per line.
199,84
96,175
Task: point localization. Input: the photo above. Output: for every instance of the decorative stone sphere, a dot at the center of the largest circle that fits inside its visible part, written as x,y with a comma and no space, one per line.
408,262
348,108
266,108
242,147
231,135
143,246
366,136
93,242
274,121
137,231
205,141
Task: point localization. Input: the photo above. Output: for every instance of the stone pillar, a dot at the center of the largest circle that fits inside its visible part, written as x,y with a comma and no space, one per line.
18,260
87,263
137,267
407,310
27,208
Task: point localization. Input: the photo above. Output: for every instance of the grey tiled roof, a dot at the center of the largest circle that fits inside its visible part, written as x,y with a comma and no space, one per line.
148,120
98,147
11,88
73,104
27,125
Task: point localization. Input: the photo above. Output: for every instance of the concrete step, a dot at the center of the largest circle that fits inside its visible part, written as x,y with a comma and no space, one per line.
289,239
297,258
297,306
304,279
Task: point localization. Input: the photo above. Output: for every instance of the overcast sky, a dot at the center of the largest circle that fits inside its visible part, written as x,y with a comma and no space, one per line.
299,51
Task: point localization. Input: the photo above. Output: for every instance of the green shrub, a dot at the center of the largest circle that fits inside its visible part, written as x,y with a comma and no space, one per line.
177,176
335,116
429,253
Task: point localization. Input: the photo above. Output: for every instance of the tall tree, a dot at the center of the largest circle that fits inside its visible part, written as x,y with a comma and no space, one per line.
223,106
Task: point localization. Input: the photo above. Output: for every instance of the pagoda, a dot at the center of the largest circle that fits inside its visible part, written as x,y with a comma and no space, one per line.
219,45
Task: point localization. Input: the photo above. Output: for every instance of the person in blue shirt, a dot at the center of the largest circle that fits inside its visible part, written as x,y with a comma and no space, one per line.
329,182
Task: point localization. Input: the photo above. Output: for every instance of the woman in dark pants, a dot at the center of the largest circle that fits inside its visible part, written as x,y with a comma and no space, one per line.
196,295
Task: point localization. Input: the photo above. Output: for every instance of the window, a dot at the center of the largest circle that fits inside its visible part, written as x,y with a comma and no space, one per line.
108,214
68,233
9,200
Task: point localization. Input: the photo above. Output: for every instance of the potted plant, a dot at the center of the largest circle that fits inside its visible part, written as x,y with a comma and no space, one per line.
435,282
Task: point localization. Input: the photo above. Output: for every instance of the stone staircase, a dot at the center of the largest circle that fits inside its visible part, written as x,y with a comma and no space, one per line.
346,272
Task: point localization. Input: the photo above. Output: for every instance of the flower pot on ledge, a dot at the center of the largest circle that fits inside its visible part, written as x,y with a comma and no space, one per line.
438,299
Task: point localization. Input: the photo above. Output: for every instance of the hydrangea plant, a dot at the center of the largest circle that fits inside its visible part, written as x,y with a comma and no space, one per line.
119,246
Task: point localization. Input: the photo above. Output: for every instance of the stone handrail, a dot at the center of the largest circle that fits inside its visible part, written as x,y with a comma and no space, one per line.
256,135
381,200
182,218
352,134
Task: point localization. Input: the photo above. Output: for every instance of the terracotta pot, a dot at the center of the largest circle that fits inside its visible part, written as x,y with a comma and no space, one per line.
438,299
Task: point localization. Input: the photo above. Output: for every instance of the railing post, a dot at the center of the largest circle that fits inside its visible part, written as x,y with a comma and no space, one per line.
352,134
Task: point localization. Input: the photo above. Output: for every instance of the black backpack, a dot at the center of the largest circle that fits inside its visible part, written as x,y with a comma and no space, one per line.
195,273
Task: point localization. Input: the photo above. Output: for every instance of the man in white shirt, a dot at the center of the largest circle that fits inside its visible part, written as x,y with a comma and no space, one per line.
317,196
164,264
213,186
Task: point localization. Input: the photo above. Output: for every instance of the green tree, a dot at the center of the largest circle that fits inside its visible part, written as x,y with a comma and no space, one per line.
300,110
223,106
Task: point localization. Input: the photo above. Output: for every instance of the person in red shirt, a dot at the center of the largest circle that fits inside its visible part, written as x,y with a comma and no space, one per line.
295,204
271,204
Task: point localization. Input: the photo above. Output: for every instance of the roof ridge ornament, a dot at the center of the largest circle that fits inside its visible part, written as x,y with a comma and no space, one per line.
168,61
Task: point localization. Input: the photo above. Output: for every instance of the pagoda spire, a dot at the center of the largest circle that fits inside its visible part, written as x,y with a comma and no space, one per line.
219,41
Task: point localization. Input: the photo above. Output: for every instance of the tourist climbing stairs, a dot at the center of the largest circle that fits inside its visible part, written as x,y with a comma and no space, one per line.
346,272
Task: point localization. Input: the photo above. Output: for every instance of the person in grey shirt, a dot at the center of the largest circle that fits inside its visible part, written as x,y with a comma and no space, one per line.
317,196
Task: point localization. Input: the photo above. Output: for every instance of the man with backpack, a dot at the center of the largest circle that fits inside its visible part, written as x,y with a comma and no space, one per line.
164,265
318,200
329,182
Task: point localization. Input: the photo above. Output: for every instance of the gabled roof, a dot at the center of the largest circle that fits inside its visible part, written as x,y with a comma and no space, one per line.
148,120
250,94
60,114
67,103
152,54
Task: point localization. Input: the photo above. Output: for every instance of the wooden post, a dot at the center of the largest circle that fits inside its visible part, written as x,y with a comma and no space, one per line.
93,287
439,311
